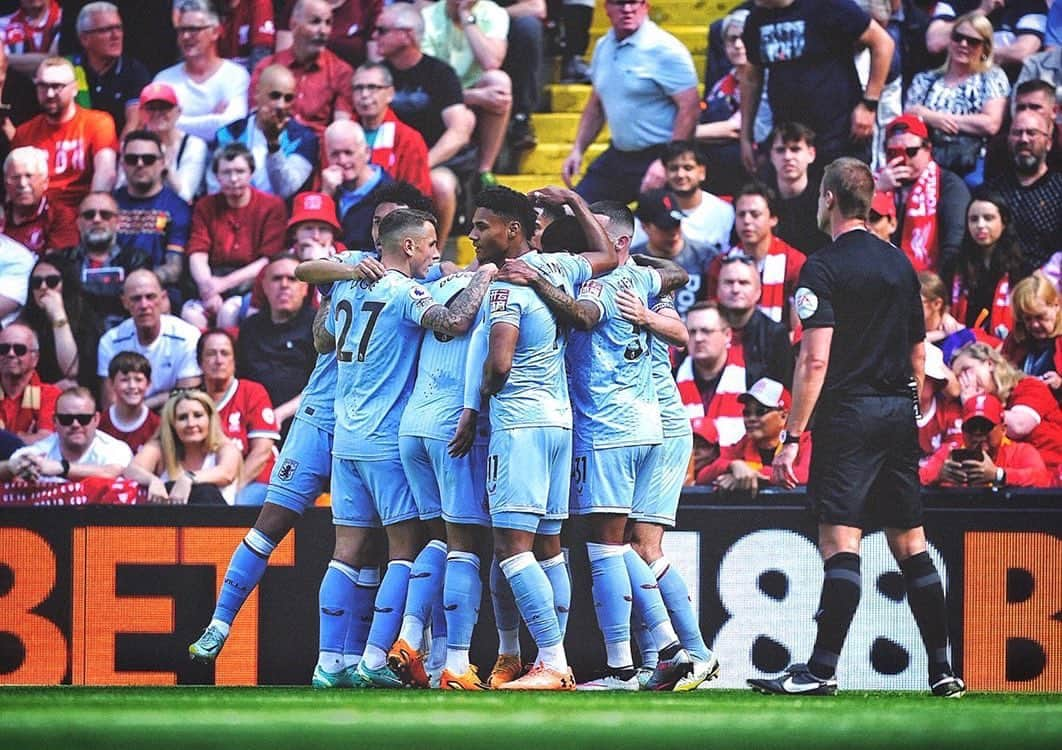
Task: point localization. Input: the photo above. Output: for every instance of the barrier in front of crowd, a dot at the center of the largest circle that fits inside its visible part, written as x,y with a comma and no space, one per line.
113,595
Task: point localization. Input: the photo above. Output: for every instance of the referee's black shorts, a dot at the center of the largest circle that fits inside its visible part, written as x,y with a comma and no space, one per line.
864,467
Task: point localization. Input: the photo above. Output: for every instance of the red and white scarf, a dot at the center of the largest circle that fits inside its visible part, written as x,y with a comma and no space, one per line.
723,409
1000,320
919,238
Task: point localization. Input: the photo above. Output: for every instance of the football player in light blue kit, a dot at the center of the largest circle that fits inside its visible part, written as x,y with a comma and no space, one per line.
617,424
530,416
300,475
449,488
375,328
659,505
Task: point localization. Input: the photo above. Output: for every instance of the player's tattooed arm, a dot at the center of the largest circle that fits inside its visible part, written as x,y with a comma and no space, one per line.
580,315
323,341
456,319
672,275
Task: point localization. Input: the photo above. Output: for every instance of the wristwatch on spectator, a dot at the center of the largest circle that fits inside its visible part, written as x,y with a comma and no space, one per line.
871,104
789,438
469,20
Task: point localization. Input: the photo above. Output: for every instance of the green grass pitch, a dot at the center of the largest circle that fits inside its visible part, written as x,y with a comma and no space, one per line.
267,718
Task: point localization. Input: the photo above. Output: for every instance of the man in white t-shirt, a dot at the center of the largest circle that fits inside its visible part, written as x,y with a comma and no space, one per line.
167,341
75,451
211,90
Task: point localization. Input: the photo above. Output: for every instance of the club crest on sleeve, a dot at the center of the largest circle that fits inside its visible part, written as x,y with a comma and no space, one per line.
806,301
499,299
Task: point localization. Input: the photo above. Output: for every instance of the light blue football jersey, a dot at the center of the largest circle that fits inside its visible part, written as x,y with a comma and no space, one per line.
673,417
317,404
378,335
536,393
610,368
438,394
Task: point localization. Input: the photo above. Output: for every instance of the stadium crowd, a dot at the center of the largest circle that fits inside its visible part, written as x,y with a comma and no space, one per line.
169,190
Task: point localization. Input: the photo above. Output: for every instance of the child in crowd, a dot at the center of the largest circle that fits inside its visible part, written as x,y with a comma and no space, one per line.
128,418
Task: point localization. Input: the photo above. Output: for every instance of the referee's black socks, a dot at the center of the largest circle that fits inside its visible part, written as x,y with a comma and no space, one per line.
840,597
925,595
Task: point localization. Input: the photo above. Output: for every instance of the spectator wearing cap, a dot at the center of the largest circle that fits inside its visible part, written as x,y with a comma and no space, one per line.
27,405
285,151
211,90
396,147
777,262
792,155
881,220
705,447
938,402
662,220
152,217
745,465
81,143
984,457
350,178
29,217
930,201
233,235
186,155
322,79
76,450
108,79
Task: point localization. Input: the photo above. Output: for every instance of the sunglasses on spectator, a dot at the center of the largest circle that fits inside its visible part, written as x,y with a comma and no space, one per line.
147,160
68,419
969,41
909,151
51,281
757,410
19,350
278,95
91,213
748,260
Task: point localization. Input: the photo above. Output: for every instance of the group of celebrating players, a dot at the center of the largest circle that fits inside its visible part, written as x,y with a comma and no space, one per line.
485,406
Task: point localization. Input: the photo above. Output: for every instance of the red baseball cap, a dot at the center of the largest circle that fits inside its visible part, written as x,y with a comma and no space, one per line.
158,92
907,124
883,203
985,406
770,393
705,428
314,207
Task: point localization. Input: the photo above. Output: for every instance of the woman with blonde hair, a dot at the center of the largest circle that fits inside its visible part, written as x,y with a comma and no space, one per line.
1030,414
964,100
191,460
1035,344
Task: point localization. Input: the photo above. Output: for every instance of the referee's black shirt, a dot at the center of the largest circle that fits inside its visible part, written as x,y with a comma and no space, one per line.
868,292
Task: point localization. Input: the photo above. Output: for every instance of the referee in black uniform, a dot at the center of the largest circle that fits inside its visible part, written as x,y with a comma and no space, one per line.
859,302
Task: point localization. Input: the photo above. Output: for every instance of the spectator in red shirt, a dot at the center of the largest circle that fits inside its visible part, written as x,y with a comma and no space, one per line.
247,30
245,411
323,80
352,24
745,465
28,405
233,235
1035,344
128,418
29,217
778,262
941,418
30,33
985,457
396,147
1031,413
81,143
705,447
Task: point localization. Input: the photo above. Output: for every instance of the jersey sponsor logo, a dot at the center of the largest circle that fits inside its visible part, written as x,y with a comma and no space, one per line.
287,469
499,300
806,301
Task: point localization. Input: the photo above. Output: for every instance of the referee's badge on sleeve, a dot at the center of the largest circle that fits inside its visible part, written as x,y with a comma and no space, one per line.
807,302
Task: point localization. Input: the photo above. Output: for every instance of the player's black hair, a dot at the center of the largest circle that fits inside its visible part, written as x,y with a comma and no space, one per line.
763,190
127,362
202,342
142,135
565,235
400,192
676,149
620,218
404,220
511,205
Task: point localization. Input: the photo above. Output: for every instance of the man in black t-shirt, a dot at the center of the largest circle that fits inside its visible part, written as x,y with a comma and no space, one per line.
793,155
808,46
862,359
429,98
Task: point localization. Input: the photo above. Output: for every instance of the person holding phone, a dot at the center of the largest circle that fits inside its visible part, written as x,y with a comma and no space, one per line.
984,457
